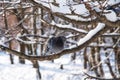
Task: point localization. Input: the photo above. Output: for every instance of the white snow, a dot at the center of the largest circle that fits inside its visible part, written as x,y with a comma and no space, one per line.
78,18
62,6
78,9
65,9
26,42
7,1
49,70
73,70
112,2
2,41
91,33
69,27
16,71
111,16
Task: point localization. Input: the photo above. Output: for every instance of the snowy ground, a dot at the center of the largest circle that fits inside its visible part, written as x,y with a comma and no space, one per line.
16,71
73,70
49,70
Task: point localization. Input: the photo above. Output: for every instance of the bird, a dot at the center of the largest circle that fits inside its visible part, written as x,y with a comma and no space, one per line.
55,44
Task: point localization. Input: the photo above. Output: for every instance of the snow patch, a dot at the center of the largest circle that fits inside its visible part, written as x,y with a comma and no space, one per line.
15,72
91,33
111,16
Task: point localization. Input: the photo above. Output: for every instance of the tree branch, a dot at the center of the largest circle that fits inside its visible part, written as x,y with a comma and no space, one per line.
100,78
63,16
55,56
65,27
100,18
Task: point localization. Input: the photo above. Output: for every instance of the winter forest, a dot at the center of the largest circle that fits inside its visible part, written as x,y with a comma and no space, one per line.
59,39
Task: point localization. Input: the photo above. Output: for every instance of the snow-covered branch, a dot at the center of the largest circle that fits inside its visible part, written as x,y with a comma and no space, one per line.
64,31
65,27
31,41
99,78
99,30
60,13
63,14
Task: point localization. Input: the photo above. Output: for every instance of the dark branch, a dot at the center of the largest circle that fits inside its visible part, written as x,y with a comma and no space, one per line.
100,78
61,15
55,56
66,28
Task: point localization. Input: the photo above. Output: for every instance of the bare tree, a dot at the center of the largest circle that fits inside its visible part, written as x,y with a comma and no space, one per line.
36,21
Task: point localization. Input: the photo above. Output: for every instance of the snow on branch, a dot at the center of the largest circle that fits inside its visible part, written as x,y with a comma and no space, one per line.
65,27
99,30
99,78
91,33
7,1
111,35
34,35
31,41
107,22
14,6
111,16
110,54
61,13
69,27
64,10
